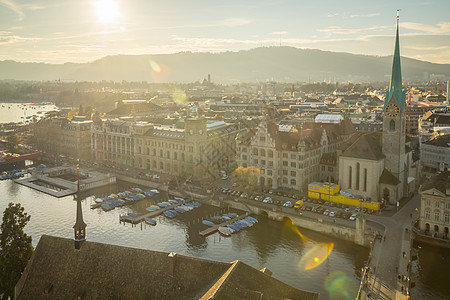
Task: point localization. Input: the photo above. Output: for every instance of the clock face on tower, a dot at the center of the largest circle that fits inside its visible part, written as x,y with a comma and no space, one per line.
392,110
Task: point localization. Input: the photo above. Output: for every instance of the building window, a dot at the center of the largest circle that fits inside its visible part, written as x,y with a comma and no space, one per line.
293,182
365,179
428,202
357,175
262,152
436,216
263,162
392,125
349,177
436,204
244,157
293,173
293,164
293,156
255,161
270,163
255,151
284,172
269,172
285,163
262,139
447,218
285,180
427,214
285,155
330,169
270,153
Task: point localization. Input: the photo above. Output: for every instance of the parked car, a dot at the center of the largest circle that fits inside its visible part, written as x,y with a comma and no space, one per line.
332,214
288,204
326,212
268,200
352,217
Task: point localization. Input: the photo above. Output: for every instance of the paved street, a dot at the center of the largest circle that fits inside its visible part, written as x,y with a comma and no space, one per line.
391,255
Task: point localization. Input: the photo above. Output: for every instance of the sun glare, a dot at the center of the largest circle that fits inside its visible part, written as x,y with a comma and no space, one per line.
107,11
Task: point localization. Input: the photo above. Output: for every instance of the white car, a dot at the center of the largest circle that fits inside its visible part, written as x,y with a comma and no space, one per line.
244,195
352,217
225,177
156,176
287,204
332,214
268,200
326,212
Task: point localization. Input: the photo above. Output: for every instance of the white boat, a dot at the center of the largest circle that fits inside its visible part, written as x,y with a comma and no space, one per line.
225,231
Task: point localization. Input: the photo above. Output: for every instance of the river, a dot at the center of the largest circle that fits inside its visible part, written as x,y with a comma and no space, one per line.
23,112
268,244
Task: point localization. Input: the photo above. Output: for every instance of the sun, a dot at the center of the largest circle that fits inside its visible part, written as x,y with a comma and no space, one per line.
107,11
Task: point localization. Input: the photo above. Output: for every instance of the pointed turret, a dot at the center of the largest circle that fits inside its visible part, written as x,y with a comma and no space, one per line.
395,86
80,226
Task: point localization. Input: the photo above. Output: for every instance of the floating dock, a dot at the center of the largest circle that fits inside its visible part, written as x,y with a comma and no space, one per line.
214,228
152,214
56,191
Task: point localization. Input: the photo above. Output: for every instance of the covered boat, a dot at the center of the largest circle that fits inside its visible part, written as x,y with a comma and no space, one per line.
150,221
208,223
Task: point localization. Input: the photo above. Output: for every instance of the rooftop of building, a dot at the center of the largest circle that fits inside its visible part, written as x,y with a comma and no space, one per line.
439,141
439,182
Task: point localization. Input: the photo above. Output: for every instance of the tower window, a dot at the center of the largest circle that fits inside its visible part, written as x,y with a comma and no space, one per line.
392,125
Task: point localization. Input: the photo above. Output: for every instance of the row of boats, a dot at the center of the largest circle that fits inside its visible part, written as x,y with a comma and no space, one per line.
14,174
232,227
180,207
120,199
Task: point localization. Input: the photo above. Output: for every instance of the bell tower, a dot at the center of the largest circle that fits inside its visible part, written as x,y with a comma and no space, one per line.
394,120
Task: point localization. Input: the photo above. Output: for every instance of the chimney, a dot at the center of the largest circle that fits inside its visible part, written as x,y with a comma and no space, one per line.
172,257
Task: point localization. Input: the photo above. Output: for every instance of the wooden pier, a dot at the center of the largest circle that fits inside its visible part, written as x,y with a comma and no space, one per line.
151,214
214,228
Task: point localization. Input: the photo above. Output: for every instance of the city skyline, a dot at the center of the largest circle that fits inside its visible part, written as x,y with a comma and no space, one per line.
83,31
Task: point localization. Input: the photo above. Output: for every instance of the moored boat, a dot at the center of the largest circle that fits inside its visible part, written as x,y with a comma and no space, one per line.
150,221
225,231
208,223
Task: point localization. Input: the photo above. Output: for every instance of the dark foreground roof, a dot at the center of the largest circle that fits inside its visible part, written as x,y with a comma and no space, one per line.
102,271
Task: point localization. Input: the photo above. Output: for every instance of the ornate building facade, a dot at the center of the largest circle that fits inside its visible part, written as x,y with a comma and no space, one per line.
287,156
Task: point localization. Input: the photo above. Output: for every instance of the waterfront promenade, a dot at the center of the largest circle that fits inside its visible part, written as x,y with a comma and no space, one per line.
387,273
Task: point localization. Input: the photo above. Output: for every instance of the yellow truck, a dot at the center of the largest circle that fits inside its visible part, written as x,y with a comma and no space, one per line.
298,204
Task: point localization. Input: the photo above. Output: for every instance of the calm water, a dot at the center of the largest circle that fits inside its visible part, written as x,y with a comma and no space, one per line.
431,270
268,244
22,112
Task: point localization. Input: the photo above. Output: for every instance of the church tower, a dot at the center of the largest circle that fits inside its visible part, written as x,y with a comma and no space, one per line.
394,124
79,227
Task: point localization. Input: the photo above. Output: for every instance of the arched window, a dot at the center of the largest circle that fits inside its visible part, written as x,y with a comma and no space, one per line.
358,167
349,177
392,125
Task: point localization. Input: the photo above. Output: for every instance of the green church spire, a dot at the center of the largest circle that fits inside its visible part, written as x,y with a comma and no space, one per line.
395,86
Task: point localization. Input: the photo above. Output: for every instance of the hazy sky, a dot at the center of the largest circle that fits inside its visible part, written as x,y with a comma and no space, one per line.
60,31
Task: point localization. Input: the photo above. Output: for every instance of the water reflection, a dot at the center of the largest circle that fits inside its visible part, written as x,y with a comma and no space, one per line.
267,244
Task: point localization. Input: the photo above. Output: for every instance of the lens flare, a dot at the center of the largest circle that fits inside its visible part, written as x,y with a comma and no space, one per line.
155,67
315,256
179,96
340,286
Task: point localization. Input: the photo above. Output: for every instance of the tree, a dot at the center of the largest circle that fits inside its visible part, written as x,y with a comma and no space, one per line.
15,248
246,176
12,142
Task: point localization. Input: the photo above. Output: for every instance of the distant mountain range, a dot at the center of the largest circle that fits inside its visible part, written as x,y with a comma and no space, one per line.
286,64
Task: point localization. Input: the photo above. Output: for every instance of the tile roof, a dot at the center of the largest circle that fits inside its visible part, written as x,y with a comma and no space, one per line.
388,178
365,146
440,182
